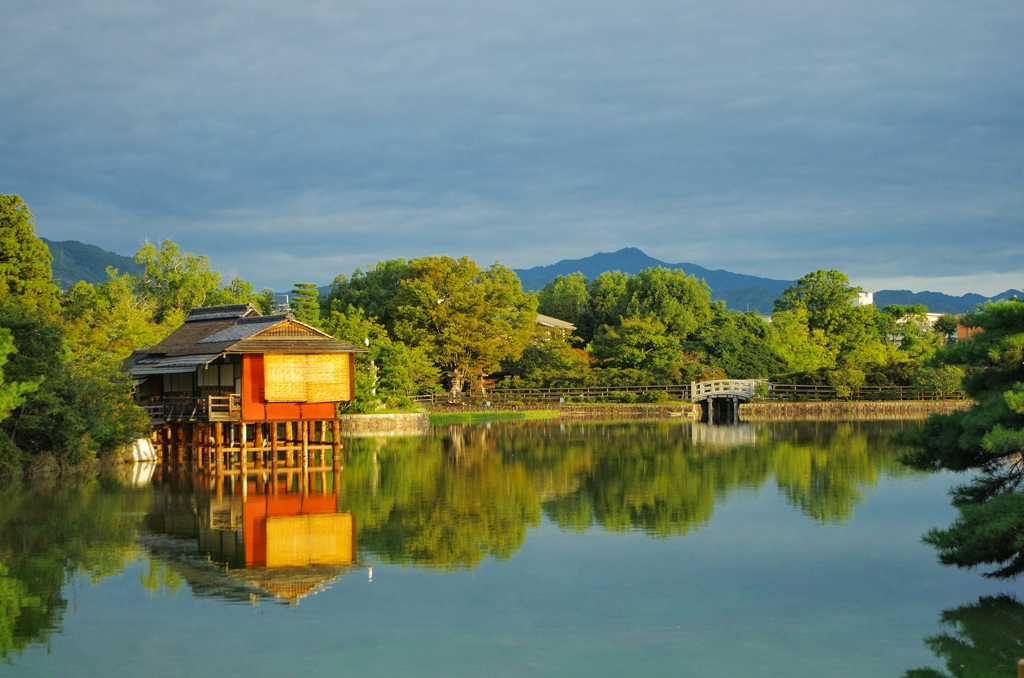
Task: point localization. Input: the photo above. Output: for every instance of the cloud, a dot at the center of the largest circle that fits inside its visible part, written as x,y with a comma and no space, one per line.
770,138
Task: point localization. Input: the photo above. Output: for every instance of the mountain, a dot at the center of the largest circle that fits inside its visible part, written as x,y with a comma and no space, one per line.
739,292
74,261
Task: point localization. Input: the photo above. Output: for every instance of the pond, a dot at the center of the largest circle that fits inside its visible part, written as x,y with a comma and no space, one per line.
513,549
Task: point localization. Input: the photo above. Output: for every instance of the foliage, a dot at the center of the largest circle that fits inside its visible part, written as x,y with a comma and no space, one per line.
12,394
468,319
174,281
985,638
305,304
802,348
945,326
638,343
988,439
390,372
374,292
741,344
945,380
25,275
604,292
565,298
681,302
79,410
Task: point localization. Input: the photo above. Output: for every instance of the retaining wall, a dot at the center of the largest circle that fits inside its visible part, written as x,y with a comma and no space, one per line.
406,424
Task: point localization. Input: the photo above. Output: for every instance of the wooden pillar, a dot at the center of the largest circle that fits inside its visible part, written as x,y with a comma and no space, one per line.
258,442
243,457
304,426
336,445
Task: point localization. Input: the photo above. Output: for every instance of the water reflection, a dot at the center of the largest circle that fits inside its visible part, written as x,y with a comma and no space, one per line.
51,532
246,543
468,492
445,501
985,639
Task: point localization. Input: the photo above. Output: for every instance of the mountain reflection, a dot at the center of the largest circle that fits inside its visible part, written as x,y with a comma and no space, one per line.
986,639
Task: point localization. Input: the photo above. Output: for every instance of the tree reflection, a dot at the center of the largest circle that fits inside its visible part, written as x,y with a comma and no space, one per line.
986,639
471,491
51,532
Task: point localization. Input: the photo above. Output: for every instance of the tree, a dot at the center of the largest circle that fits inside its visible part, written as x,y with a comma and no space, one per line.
803,349
468,319
305,303
565,298
829,303
945,326
174,281
988,438
742,344
390,372
12,394
26,279
374,292
638,343
681,302
604,293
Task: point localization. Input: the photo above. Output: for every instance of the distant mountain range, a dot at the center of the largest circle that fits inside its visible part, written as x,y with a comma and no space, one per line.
739,292
74,261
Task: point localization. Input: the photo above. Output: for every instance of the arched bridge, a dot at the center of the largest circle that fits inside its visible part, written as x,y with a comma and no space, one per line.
740,389
722,397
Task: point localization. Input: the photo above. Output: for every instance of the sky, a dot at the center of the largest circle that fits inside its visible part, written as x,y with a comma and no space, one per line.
295,141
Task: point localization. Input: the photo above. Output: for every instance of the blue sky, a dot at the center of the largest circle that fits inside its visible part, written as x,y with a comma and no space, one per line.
296,141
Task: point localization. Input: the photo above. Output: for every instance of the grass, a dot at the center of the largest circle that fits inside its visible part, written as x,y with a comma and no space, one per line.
442,418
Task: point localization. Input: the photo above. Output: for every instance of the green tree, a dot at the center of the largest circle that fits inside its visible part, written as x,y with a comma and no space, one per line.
638,343
604,294
988,438
802,348
175,281
829,302
742,344
374,291
566,298
390,372
945,326
681,302
26,279
467,318
12,394
305,303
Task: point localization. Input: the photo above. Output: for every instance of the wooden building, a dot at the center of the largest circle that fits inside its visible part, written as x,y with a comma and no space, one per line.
229,376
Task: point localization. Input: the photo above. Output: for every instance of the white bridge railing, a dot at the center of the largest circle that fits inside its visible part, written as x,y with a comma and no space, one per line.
723,388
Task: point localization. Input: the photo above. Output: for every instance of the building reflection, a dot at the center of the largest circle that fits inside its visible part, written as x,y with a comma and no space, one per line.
266,539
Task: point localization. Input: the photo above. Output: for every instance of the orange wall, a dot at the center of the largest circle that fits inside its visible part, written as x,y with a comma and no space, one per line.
260,507
256,408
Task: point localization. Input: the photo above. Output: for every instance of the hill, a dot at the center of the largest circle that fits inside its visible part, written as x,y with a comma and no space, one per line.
74,261
740,292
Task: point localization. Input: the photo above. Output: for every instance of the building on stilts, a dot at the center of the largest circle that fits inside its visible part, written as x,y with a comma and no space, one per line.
234,392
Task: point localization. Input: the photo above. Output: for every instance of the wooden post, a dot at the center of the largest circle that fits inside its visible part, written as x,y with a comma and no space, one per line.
243,458
336,445
1020,669
273,453
304,425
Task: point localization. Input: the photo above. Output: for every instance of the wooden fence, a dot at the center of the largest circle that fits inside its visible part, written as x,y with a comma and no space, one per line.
677,392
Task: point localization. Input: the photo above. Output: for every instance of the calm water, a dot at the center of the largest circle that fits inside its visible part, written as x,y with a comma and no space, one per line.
530,549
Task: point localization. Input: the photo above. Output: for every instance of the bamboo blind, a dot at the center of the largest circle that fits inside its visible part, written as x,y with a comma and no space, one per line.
317,378
325,539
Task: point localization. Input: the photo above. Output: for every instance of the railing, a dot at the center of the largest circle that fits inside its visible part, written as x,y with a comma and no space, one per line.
741,388
209,408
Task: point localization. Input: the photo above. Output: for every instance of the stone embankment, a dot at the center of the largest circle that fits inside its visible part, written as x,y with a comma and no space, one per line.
632,411
897,409
404,424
